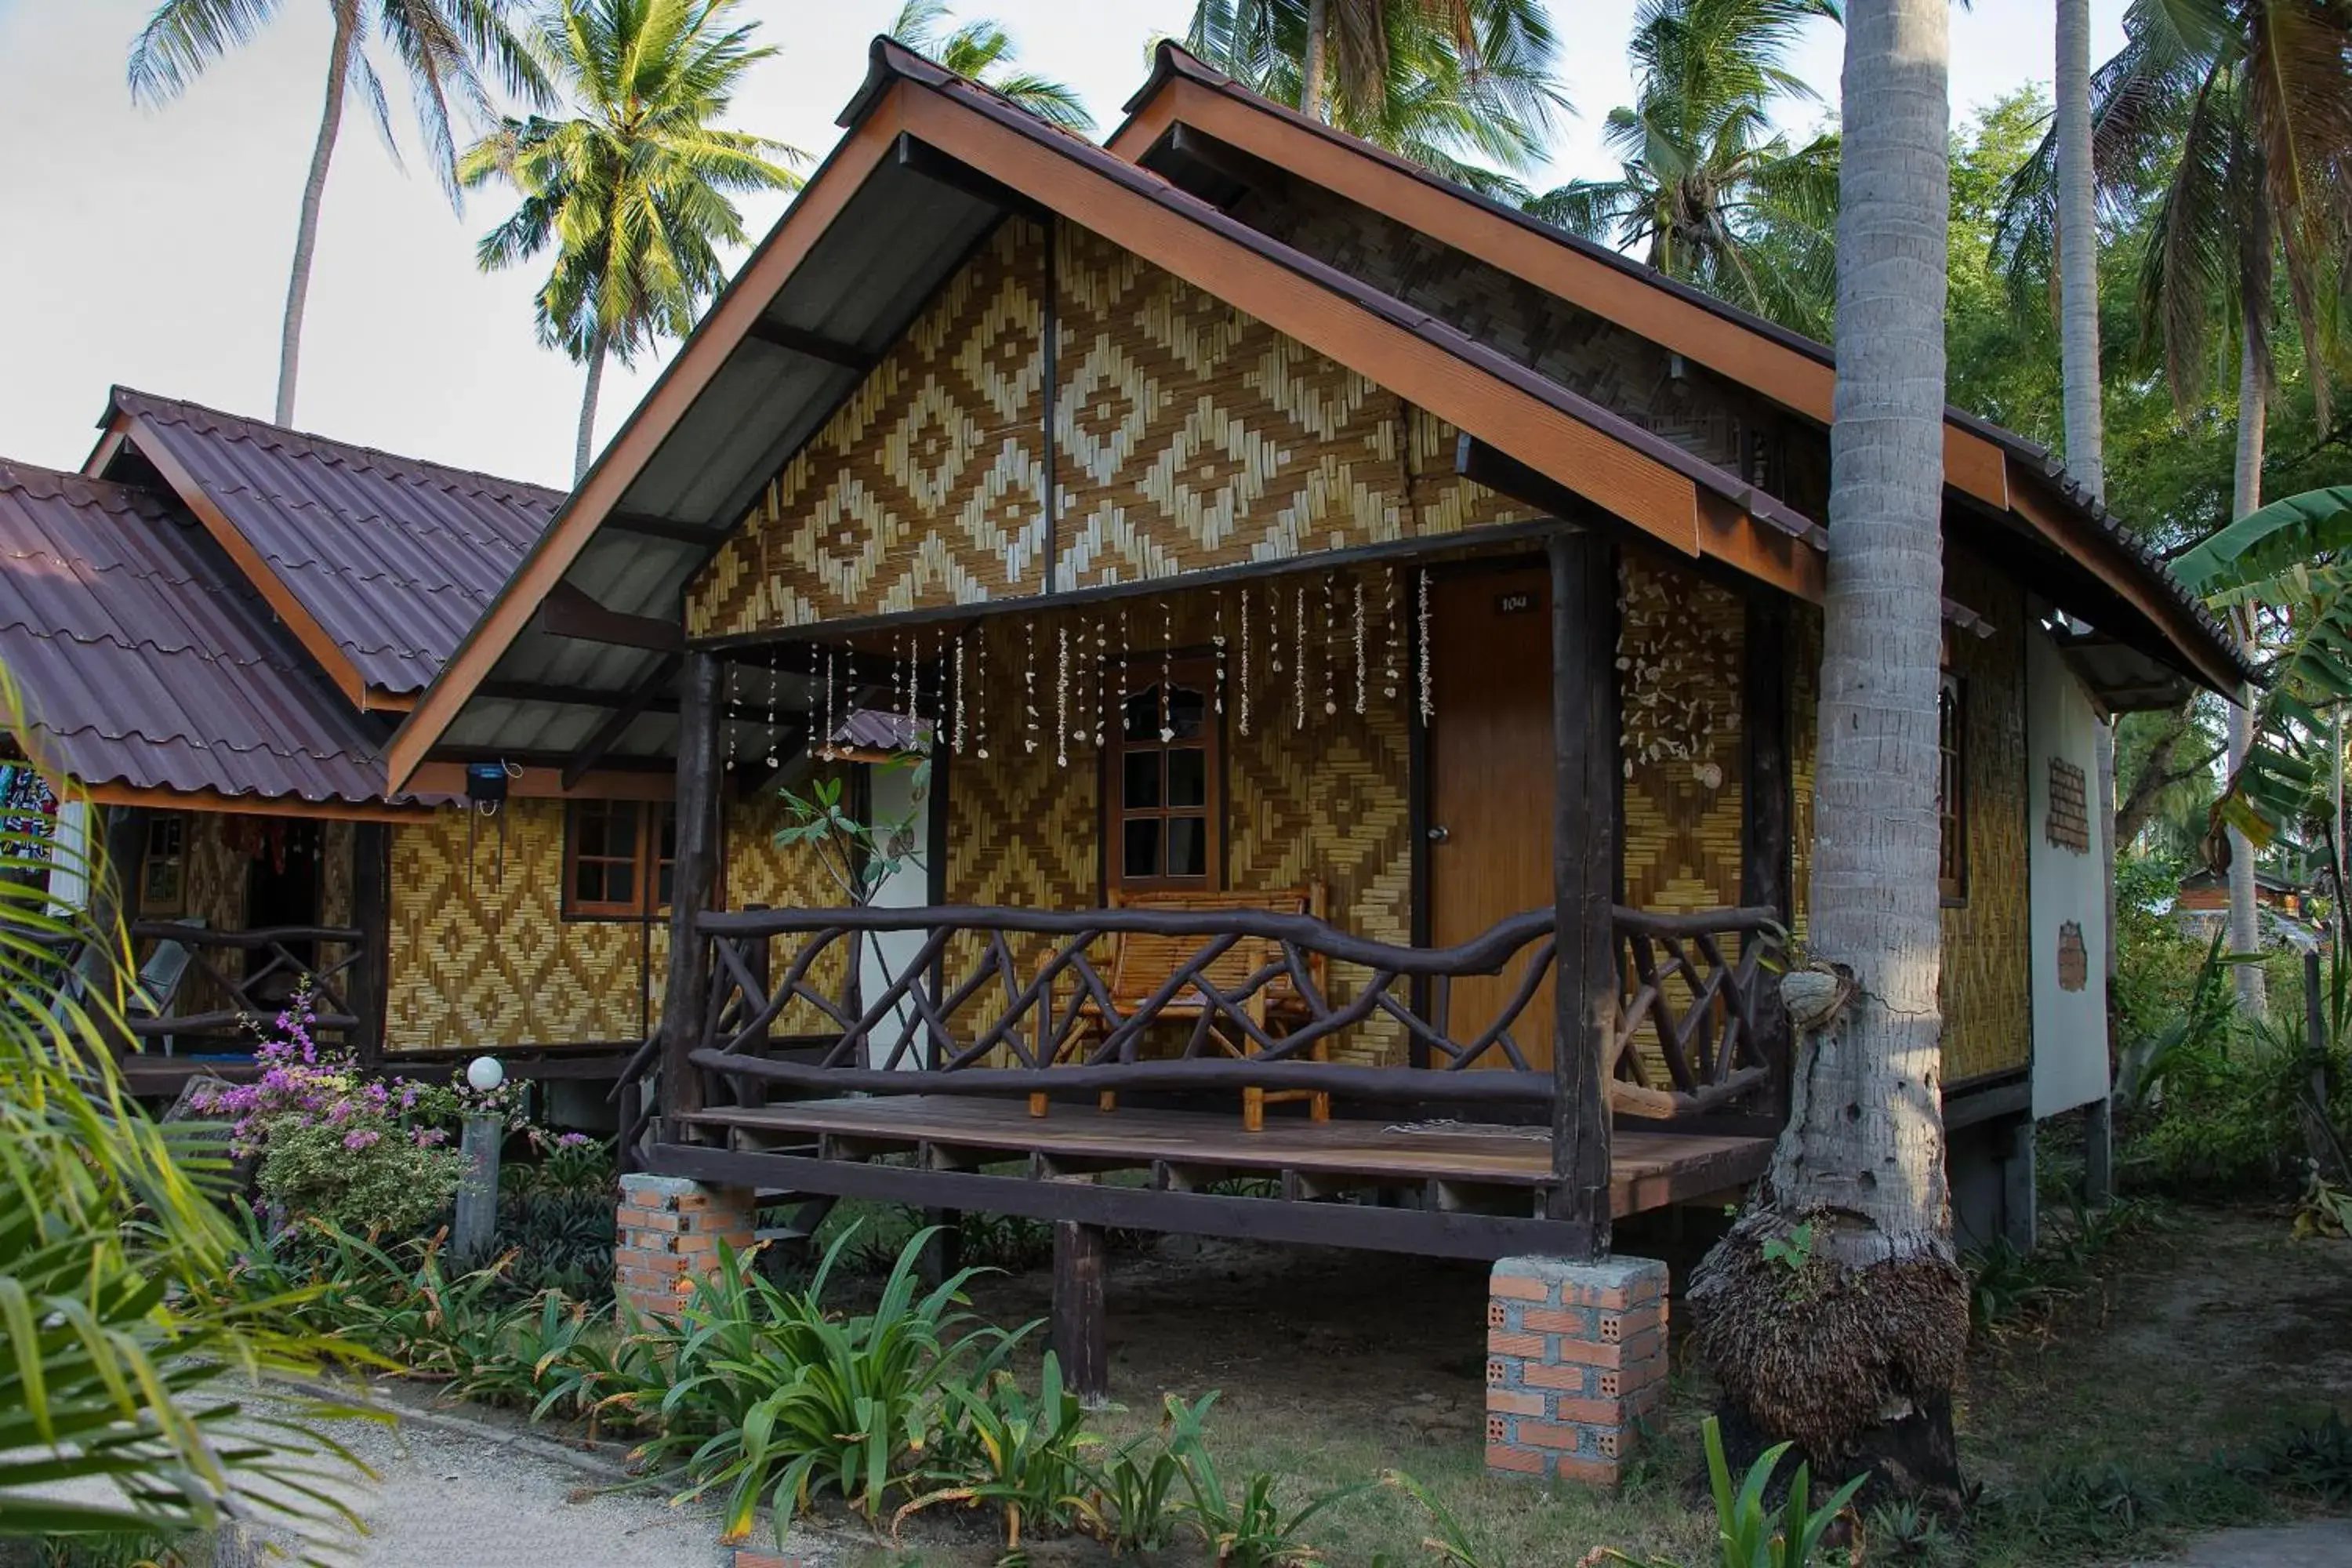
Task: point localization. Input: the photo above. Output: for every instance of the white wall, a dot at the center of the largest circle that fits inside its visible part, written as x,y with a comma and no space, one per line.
883,958
2069,1028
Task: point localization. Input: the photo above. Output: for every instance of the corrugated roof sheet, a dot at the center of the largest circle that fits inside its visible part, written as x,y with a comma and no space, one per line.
144,658
394,558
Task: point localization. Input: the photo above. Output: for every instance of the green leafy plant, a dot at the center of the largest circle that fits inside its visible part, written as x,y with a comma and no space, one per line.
1248,1528
1751,1534
794,1398
2325,1209
1906,1532
1026,1459
1452,1545
1130,1501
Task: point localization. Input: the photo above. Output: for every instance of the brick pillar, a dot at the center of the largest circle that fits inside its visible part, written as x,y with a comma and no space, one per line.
669,1231
1576,1354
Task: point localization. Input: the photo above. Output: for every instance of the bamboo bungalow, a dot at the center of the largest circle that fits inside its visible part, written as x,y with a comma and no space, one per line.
1365,645
213,629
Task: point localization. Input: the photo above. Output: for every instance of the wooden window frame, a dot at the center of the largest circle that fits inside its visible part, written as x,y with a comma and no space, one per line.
176,823
1198,671
1952,790
645,860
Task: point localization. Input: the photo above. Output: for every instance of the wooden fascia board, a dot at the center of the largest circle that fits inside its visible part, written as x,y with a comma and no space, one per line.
545,784
1594,464
1793,379
2046,515
250,805
725,328
273,589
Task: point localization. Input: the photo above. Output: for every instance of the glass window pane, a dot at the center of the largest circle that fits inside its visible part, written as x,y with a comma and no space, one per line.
590,830
621,833
669,874
670,833
1188,846
1141,791
1140,857
1188,710
1143,715
1188,776
588,883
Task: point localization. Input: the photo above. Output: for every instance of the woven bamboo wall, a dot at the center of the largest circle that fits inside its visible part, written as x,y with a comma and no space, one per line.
1188,436
1679,644
481,954
1625,373
756,871
1987,981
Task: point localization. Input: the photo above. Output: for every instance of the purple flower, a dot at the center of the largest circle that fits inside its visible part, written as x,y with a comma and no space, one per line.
361,1138
430,1137
572,1140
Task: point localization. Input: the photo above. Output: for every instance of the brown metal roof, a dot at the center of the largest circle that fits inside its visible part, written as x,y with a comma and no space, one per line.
144,658
394,558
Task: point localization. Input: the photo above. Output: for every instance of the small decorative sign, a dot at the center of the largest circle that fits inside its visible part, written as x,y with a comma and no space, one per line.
1518,603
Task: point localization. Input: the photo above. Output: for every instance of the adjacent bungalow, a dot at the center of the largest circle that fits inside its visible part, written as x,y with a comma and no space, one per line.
1363,647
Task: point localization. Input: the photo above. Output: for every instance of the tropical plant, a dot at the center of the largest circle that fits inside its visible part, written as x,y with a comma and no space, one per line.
122,1363
1749,1534
1249,1529
445,48
1463,88
1026,1459
984,51
772,1396
1879,1347
1129,1504
1709,190
633,187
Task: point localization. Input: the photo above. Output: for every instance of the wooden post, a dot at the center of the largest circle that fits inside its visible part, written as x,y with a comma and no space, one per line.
1765,869
693,875
1079,1339
1584,871
372,912
752,1090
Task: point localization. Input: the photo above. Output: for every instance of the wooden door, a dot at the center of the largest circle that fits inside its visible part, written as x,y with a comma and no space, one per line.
1490,783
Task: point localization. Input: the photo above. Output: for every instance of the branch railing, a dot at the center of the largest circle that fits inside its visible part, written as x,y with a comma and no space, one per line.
1017,1002
272,967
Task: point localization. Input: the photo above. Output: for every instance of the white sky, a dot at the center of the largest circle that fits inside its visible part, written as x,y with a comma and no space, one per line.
150,247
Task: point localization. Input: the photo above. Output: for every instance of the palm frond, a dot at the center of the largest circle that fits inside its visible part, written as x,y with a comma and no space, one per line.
183,37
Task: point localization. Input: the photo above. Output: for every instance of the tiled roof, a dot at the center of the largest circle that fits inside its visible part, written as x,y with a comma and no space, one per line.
394,558
144,658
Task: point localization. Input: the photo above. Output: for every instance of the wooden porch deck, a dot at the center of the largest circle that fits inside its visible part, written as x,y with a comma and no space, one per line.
1462,1189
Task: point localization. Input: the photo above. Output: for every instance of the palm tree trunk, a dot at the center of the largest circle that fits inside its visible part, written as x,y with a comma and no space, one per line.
1863,1375
1311,64
2245,495
585,447
314,191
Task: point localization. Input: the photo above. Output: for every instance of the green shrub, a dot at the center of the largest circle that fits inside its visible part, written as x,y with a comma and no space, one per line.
1752,1535
1130,1499
1025,1458
314,1168
1249,1529
772,1397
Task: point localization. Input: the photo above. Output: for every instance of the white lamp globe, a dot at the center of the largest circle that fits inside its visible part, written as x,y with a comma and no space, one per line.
485,1074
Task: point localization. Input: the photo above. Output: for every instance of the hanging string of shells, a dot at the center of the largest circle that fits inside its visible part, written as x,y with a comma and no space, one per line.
1298,651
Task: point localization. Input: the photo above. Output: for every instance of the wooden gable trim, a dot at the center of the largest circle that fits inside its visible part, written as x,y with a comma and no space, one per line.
729,320
545,782
281,599
1786,374
248,804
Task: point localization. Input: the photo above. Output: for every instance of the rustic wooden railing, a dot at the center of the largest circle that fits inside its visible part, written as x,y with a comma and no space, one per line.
1015,1002
271,969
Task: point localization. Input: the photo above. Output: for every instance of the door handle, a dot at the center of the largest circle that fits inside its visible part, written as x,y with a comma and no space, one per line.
1438,834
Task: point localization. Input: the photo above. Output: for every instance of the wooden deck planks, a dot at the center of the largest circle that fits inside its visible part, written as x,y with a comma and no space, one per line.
1647,1170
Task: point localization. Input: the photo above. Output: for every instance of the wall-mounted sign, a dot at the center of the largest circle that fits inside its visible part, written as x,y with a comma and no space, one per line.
1519,604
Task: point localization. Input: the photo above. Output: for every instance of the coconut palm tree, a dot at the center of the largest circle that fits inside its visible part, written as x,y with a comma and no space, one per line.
631,190
1710,191
445,46
984,51
1863,1373
1462,88
2234,119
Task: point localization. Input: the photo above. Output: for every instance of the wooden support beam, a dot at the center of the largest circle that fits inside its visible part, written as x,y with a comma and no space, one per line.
1080,1336
919,157
372,912
694,874
812,345
569,612
1584,871
608,734
676,531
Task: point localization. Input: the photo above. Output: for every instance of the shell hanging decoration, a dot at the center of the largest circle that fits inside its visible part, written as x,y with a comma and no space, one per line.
1361,679
773,731
1242,694
955,742
1395,632
1298,664
980,708
727,707
832,674
1102,668
1167,670
1217,640
1273,636
914,681
1029,686
1428,688
1062,701
1331,654
1678,666
1122,666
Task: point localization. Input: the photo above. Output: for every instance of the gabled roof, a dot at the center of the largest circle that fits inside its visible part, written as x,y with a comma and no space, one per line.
930,163
1995,468
146,663
380,565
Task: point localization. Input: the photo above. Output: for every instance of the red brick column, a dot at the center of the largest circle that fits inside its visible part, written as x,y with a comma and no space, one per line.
668,1233
1576,1355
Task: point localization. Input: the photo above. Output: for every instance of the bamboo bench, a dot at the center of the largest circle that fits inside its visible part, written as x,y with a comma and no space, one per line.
1142,964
